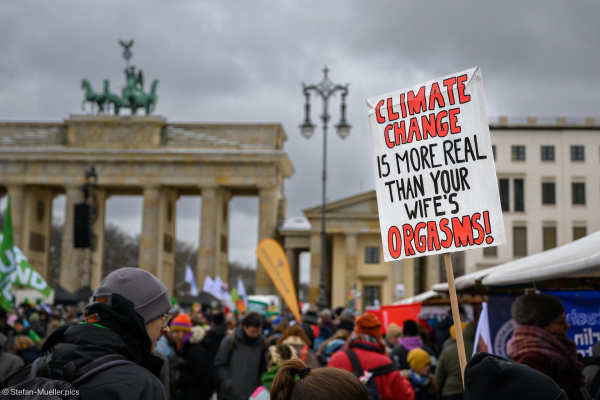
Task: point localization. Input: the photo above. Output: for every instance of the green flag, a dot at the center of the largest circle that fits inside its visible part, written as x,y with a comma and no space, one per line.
14,267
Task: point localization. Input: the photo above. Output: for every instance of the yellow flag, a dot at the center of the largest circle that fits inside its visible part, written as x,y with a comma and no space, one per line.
271,256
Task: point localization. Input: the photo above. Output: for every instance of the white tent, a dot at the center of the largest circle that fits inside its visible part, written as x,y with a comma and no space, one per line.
575,258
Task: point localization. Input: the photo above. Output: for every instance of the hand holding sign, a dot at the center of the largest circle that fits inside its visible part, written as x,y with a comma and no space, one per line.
435,178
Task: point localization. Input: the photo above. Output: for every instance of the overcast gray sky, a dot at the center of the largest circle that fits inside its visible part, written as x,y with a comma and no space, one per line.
243,61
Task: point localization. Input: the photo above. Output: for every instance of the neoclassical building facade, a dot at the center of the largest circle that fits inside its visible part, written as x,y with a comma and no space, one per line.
141,155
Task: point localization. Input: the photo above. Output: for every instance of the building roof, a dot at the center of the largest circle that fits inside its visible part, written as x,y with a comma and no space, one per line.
574,258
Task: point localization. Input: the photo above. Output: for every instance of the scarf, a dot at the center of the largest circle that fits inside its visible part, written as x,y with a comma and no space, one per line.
418,379
268,377
559,348
411,342
184,340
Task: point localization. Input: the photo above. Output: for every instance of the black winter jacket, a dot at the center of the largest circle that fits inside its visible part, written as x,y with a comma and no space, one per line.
195,372
87,342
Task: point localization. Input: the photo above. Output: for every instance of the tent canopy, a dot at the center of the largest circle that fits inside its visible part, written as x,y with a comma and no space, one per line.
418,298
575,258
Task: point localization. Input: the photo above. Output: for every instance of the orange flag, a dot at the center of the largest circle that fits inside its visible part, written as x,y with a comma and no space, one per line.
272,257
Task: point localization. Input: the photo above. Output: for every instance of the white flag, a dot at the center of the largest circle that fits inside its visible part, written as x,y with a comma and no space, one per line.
208,285
483,333
191,279
242,291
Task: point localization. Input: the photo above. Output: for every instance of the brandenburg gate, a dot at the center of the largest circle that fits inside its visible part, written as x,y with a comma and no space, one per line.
141,155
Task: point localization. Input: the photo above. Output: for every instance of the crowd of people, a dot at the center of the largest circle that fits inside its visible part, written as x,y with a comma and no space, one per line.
131,343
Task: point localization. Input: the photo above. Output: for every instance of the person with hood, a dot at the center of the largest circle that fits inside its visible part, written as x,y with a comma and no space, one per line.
540,341
448,377
410,340
210,343
419,375
366,344
125,319
294,336
9,363
591,372
276,356
492,377
193,379
241,360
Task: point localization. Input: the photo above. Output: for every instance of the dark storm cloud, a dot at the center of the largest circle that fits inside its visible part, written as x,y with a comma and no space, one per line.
244,61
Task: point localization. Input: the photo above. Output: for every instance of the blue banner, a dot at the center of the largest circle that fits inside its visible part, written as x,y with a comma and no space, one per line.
501,323
582,309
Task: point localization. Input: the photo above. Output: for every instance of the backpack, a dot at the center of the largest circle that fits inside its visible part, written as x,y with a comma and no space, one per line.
52,380
366,377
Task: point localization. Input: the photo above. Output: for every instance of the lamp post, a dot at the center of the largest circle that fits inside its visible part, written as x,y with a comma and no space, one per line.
325,89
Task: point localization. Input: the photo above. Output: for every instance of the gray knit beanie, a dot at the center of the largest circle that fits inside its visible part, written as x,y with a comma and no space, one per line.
536,310
149,296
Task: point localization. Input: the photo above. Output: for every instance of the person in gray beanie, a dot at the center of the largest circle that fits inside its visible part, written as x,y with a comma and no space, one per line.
128,315
540,341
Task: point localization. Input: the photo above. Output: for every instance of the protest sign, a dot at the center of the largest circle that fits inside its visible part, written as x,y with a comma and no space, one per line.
434,173
435,178
273,259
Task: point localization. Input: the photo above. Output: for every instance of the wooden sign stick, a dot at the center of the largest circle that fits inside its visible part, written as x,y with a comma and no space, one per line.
456,315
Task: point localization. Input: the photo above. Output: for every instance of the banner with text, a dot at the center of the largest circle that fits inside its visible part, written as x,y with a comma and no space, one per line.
435,178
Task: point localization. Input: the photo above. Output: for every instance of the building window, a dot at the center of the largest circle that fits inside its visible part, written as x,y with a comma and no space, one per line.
494,151
372,255
548,193
547,153
519,241
579,232
549,237
518,153
490,251
577,153
504,194
519,195
578,191
372,293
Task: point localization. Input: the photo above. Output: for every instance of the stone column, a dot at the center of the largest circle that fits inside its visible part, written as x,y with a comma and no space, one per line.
267,228
351,255
17,202
166,237
214,228
36,228
69,262
149,242
98,239
315,267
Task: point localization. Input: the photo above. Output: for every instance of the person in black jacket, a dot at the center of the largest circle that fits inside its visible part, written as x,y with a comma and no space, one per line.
241,360
194,373
126,319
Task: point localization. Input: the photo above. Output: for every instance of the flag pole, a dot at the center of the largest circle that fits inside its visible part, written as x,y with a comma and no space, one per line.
456,315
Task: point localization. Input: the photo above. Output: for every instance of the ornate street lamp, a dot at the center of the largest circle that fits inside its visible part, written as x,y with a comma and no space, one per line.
325,89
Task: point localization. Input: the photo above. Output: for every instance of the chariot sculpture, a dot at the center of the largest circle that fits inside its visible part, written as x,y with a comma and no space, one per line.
132,94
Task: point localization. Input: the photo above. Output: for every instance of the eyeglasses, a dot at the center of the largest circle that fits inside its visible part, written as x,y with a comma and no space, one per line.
166,320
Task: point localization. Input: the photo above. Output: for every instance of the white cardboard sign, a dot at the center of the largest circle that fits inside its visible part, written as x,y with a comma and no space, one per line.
435,178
